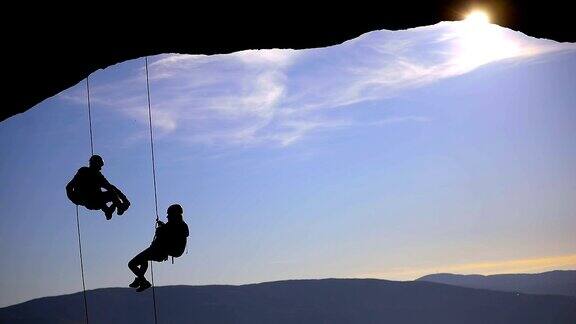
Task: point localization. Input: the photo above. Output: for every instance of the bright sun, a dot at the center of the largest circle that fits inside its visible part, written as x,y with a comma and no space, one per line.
478,17
481,42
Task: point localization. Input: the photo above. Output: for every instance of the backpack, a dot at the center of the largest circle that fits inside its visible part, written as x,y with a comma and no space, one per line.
176,246
175,241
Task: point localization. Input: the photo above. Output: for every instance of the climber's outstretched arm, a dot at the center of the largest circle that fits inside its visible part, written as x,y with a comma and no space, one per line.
112,188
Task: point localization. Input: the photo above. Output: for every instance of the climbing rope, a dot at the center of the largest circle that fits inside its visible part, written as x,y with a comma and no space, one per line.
89,116
82,265
154,180
77,217
151,141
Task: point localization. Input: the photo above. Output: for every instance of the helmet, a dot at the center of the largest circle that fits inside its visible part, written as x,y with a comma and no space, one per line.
97,160
175,209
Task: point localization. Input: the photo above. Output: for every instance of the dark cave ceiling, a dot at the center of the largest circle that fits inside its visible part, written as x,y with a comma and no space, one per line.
54,48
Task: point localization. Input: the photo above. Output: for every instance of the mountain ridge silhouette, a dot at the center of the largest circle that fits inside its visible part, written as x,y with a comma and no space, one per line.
301,301
557,282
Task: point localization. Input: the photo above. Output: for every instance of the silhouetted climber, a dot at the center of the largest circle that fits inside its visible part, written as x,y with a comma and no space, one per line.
85,189
169,240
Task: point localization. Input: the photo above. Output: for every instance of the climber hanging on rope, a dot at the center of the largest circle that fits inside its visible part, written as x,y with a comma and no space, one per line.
170,240
85,189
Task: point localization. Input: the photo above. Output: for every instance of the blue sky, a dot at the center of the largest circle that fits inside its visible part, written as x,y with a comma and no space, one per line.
393,155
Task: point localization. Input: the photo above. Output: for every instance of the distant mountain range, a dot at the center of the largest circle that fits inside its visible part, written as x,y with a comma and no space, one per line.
301,301
547,283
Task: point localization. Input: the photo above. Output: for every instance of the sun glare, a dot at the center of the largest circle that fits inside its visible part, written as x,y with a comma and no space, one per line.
481,42
477,17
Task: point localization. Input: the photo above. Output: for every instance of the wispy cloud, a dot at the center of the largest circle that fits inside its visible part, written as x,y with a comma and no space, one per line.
279,96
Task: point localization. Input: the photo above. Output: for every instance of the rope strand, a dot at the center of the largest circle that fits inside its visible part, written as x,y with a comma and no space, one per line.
153,293
89,116
77,213
81,264
151,140
154,179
